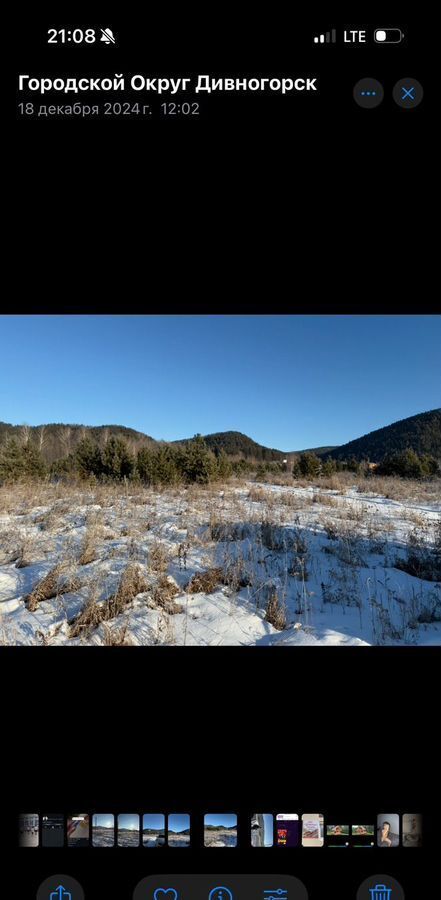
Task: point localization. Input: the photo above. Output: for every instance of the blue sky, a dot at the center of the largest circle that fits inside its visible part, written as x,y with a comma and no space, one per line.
178,822
154,820
226,819
128,820
289,382
103,820
268,833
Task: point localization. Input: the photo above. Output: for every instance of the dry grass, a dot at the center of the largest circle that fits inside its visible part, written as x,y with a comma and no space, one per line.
116,637
355,513
401,488
254,516
19,547
27,554
415,518
163,593
292,500
158,557
10,541
132,583
275,612
331,528
51,586
325,500
205,582
338,482
258,494
89,547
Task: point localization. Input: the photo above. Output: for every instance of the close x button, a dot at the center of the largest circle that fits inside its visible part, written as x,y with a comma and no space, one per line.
408,93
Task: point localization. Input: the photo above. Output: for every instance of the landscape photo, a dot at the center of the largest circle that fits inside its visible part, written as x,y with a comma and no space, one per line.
103,830
266,481
128,830
153,830
178,833
220,830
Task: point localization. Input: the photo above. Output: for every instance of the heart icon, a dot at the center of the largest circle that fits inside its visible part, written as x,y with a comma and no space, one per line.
165,894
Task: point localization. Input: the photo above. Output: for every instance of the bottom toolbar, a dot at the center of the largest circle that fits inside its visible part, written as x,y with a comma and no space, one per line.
220,887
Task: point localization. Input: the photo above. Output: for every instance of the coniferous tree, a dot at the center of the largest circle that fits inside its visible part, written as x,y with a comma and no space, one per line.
307,465
407,464
117,460
145,465
20,461
329,467
165,465
224,467
88,458
199,462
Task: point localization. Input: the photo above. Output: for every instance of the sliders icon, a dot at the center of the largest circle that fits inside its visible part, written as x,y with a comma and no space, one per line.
277,894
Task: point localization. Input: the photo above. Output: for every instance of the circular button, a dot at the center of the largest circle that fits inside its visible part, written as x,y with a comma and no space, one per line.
60,887
408,93
380,887
368,92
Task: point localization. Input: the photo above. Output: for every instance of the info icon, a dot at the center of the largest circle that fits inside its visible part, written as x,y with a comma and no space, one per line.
368,93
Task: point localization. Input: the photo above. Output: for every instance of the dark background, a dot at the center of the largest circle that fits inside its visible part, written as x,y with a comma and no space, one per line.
295,204
270,203
349,732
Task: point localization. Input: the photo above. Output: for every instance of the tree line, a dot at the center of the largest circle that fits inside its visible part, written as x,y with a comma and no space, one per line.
115,461
193,462
402,463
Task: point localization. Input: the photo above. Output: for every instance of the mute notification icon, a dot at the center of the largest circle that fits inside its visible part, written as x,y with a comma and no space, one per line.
107,36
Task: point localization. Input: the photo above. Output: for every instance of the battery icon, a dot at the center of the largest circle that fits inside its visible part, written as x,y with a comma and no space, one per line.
388,35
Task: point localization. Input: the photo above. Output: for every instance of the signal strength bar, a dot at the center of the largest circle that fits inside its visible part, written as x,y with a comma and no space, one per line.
328,37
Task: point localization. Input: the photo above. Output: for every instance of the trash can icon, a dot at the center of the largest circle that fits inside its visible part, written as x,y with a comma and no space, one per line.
380,892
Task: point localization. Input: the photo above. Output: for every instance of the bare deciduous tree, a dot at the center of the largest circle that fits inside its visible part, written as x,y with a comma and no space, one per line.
25,433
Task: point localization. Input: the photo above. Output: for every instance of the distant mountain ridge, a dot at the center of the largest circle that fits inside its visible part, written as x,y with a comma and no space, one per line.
421,433
319,451
234,443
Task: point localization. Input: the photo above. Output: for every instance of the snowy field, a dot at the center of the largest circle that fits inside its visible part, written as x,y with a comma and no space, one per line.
128,838
177,839
248,565
220,837
153,839
103,837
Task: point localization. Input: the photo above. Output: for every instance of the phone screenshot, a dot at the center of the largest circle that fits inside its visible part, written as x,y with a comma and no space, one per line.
288,830
312,830
220,454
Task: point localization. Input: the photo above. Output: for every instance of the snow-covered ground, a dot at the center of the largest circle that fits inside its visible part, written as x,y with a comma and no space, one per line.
295,566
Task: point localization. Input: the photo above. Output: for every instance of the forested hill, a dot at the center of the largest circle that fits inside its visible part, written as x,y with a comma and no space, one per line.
234,443
56,441
421,433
